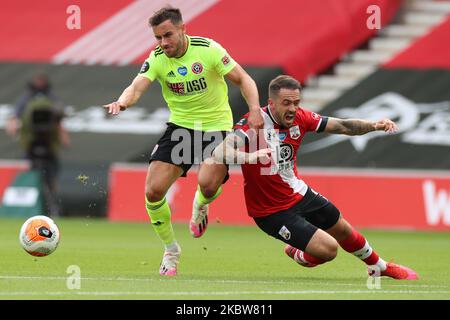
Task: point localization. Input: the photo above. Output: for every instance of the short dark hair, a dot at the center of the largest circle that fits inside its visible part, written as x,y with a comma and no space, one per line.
166,13
283,82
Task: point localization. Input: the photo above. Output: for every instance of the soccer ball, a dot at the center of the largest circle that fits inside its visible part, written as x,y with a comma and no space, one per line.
39,236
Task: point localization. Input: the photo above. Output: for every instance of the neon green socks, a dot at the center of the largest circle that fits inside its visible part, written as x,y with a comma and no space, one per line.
202,200
159,213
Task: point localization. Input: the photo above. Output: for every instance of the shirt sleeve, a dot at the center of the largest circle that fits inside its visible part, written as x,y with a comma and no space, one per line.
149,67
314,121
222,61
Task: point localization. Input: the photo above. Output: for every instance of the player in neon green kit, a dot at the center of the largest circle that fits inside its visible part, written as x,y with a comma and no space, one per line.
191,72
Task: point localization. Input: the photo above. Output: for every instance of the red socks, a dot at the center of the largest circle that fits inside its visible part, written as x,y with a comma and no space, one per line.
357,245
306,259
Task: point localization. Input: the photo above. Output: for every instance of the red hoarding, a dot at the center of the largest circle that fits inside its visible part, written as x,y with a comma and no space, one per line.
377,199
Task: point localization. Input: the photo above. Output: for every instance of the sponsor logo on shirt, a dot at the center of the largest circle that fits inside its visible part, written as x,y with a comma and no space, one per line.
177,87
282,135
182,71
171,74
270,134
197,68
286,152
189,87
285,157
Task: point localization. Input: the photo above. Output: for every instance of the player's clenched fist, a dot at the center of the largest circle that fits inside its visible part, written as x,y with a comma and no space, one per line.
115,107
386,125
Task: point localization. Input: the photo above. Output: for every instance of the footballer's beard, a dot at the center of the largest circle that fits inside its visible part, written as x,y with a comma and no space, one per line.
171,51
175,50
287,119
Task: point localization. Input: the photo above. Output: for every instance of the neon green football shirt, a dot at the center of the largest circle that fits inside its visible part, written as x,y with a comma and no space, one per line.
193,85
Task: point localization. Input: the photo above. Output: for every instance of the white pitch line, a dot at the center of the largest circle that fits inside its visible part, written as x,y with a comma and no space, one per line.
214,293
279,282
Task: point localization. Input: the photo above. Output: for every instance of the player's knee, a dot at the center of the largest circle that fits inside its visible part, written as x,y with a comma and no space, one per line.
332,252
208,191
329,250
154,194
208,187
210,180
323,246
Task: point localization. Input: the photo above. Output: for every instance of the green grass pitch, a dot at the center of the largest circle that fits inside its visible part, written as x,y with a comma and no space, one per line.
121,261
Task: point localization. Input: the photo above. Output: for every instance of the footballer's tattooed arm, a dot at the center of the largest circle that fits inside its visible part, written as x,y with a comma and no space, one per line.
228,152
357,127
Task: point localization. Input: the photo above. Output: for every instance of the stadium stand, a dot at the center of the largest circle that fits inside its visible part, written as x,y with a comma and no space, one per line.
36,30
118,34
411,88
416,19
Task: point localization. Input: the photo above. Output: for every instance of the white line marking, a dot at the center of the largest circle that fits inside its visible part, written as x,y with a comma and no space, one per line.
279,282
214,293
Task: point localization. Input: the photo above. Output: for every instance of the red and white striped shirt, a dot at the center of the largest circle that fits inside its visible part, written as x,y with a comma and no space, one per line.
276,186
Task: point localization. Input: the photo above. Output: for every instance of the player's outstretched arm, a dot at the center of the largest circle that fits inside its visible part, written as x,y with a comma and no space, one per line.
249,91
129,96
228,152
357,127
